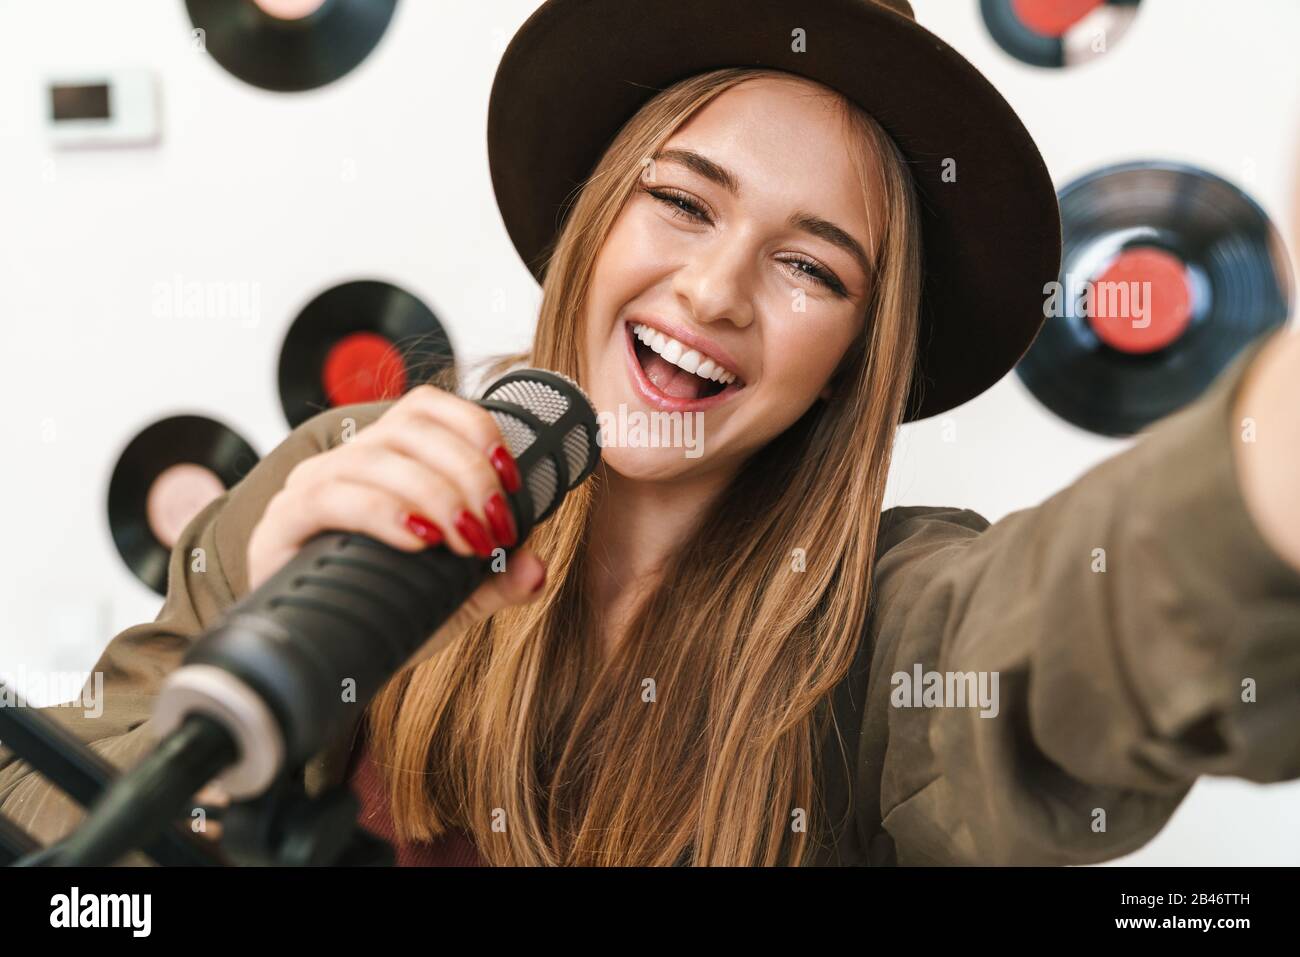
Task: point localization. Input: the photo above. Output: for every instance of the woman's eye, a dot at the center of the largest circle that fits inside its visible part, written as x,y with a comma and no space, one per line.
817,274
679,204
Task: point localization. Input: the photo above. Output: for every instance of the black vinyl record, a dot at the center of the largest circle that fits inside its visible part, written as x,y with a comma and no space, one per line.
1216,277
290,55
361,341
214,452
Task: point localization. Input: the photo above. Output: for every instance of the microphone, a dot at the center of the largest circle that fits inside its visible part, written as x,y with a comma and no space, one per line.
284,671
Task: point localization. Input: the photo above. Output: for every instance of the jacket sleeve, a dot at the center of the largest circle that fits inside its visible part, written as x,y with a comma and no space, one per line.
1141,633
207,572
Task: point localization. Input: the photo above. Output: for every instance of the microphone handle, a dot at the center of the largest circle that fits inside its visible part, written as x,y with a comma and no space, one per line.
320,637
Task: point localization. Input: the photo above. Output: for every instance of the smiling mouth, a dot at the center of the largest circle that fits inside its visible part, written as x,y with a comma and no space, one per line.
675,371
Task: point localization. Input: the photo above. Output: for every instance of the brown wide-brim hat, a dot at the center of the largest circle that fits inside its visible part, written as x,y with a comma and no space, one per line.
577,70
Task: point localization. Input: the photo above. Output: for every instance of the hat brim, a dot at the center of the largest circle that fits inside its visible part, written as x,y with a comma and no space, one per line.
991,237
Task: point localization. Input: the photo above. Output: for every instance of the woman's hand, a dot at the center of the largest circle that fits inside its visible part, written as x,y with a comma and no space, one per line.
431,469
1267,442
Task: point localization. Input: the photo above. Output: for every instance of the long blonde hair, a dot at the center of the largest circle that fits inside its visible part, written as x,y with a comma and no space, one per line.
521,735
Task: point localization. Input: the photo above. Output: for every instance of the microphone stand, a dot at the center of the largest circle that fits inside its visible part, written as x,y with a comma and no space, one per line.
281,827
83,775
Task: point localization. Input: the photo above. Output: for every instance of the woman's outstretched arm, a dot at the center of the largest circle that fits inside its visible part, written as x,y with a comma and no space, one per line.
1268,455
1137,629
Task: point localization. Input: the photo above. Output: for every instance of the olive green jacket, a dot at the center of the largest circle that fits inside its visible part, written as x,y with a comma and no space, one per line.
1141,630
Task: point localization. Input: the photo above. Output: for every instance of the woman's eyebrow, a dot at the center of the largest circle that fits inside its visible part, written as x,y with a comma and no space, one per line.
806,222
699,163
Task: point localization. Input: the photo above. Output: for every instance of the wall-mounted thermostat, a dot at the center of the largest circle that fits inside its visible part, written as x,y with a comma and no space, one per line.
115,108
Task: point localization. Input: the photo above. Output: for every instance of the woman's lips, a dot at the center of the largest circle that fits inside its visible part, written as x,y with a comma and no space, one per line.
660,399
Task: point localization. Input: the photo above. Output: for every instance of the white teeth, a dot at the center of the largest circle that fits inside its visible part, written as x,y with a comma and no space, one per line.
687,358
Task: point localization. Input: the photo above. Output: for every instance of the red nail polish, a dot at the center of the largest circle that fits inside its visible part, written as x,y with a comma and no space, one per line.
472,530
424,528
502,522
540,582
506,468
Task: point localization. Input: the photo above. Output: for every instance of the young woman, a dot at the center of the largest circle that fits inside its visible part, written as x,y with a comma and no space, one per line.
708,660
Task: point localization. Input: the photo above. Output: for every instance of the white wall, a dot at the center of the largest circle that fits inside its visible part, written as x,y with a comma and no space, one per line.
384,175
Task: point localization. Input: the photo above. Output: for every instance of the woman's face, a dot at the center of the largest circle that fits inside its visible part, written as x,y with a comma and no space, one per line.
763,274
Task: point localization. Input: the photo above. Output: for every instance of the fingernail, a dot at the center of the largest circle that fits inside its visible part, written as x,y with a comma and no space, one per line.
472,530
540,582
506,468
424,528
502,522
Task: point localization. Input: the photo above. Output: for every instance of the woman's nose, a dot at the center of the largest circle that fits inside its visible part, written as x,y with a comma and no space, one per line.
716,281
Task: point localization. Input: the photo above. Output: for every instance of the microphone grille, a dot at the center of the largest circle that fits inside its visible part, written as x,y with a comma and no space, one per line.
547,396
577,451
537,397
542,487
516,432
